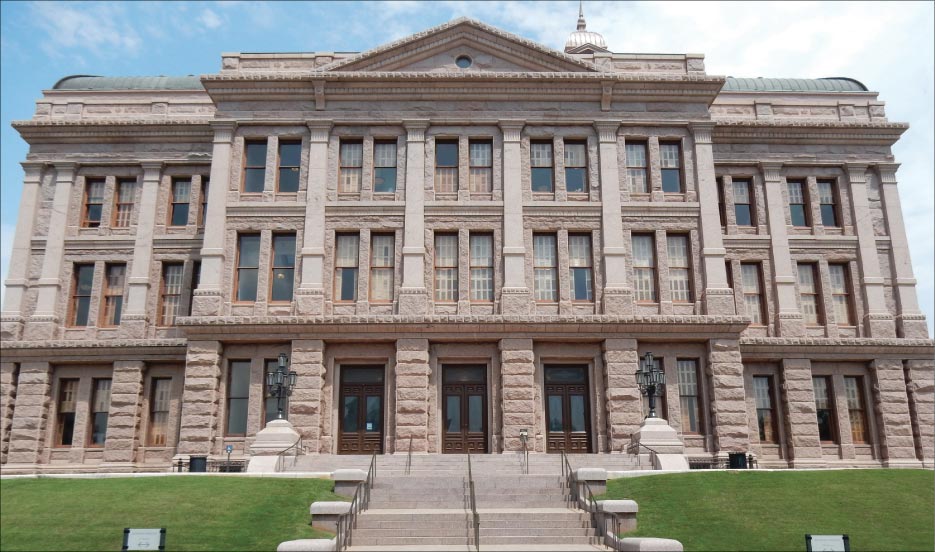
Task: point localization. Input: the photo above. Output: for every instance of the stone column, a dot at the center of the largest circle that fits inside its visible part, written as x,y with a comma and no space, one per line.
305,402
891,404
518,392
878,321
200,398
30,414
44,322
618,297
921,388
7,398
11,319
123,420
412,394
718,296
728,401
910,319
514,296
310,296
801,419
624,411
413,298
789,320
135,317
209,298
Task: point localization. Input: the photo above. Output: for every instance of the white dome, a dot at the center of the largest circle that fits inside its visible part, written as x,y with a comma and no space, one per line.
580,38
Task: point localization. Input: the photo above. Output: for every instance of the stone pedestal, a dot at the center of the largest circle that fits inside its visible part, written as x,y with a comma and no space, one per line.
413,302
515,301
658,435
277,436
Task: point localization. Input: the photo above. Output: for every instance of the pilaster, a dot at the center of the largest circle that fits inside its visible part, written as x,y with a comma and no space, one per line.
310,296
892,411
921,389
413,298
789,321
412,394
305,401
30,415
728,402
123,420
200,398
11,319
801,425
7,399
515,297
624,412
618,297
135,317
517,366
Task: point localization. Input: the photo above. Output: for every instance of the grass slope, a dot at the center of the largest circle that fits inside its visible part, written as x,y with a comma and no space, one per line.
749,510
199,513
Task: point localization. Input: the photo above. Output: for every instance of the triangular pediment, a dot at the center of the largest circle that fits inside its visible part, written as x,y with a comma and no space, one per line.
437,50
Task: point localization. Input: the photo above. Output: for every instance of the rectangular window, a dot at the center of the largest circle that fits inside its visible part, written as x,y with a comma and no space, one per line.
765,414
721,205
93,202
384,167
824,408
159,412
248,266
481,166
271,405
576,167
854,387
181,196
238,397
203,214
446,166
65,424
114,279
171,294
283,269
196,281
481,267
644,267
446,267
580,265
123,202
743,203
545,267
382,263
679,268
346,254
808,294
671,163
100,407
688,396
81,294
752,292
254,172
841,294
352,162
290,161
797,204
636,167
541,163
828,203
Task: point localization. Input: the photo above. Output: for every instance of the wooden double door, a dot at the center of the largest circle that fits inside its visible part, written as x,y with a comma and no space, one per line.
464,408
567,408
361,408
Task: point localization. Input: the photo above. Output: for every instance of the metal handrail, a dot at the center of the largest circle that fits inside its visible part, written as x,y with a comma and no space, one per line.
361,500
474,513
588,503
637,446
570,479
525,458
280,460
409,458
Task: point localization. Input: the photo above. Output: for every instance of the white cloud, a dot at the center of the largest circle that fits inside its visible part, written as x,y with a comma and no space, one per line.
99,28
209,19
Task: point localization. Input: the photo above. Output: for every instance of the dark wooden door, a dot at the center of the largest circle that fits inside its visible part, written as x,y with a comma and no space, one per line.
464,408
567,408
361,407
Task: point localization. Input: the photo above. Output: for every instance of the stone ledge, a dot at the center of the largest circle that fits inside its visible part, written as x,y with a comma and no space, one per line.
307,545
649,544
329,508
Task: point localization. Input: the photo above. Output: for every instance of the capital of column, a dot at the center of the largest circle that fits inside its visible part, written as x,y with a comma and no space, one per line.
887,172
771,171
415,129
856,172
511,129
319,130
151,169
607,131
701,131
65,170
223,131
32,170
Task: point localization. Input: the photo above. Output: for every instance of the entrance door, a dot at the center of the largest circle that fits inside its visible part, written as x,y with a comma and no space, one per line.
361,410
464,407
566,408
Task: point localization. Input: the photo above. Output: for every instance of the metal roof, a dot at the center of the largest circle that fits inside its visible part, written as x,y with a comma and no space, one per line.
93,82
831,84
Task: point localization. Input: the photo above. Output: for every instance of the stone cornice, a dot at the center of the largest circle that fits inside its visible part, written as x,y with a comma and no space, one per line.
179,130
856,348
808,132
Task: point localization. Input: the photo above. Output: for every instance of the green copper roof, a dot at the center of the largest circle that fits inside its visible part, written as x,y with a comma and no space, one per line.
91,82
834,84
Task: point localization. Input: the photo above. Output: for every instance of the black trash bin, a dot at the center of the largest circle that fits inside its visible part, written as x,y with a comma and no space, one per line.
737,461
198,464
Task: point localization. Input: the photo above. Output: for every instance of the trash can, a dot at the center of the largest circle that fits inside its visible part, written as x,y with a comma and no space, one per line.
737,460
198,464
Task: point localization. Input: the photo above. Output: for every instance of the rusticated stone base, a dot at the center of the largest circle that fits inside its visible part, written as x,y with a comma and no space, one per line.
799,401
200,397
413,302
621,360
518,393
207,303
305,401
31,413
618,301
791,325
310,302
892,410
123,421
11,328
921,387
41,328
412,394
913,327
515,301
729,408
719,301
7,397
880,325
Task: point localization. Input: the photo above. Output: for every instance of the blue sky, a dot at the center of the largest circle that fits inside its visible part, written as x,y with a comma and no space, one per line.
885,45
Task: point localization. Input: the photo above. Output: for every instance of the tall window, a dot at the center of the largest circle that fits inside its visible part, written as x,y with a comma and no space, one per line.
636,167
93,202
446,166
481,267
576,167
721,205
671,163
829,207
238,396
81,294
688,396
580,267
159,412
743,199
271,405
765,415
171,293
65,423
752,292
283,270
446,267
679,268
115,276
203,214
123,202
644,267
540,160
808,294
854,387
384,167
196,281
290,160
481,166
181,196
545,267
347,250
824,407
100,406
351,155
248,266
254,172
797,203
382,262
841,294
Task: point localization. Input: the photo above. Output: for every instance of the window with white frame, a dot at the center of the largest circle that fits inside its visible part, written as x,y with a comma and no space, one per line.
689,400
580,267
384,167
123,202
481,267
346,251
808,294
351,153
671,166
576,167
446,166
545,267
541,165
636,167
446,268
481,166
382,262
679,268
644,267
752,292
841,294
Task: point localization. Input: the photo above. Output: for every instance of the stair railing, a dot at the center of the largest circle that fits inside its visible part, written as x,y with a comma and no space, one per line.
571,480
634,448
296,447
474,515
348,522
409,458
582,497
525,456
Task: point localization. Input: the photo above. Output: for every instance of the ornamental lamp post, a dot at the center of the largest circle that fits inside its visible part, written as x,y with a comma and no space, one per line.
651,381
280,383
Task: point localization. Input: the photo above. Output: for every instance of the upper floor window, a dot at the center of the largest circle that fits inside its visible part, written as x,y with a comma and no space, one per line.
283,269
841,294
254,172
203,214
545,267
856,409
688,396
636,167
384,167
248,266
721,205
93,202
123,202
481,267
743,202
446,166
159,412
196,280
828,202
446,267
352,161
290,160
752,292
382,263
824,408
580,265
679,268
765,412
181,196
481,169
808,294
671,163
171,294
347,249
644,267
115,276
797,203
81,294
576,167
65,413
100,408
540,160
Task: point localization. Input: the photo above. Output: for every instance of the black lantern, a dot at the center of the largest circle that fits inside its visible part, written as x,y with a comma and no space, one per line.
280,383
651,381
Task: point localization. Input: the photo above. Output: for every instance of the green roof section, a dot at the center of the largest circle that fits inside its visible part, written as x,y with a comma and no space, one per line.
831,84
93,82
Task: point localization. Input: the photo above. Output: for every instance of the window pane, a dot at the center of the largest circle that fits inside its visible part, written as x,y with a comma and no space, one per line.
637,179
828,215
575,180
347,250
796,192
565,374
381,250
541,179
350,414
96,191
671,181
576,406
481,250
446,154
346,284
636,154
481,154
446,250
290,154
581,285
678,251
283,282
384,154
669,154
806,278
179,214
798,215
381,284
94,214
82,306
384,180
256,154
284,250
555,413
453,413
741,191
475,413
85,279
579,250
544,250
825,192
374,414
289,180
246,284
540,154
352,154
253,180
643,251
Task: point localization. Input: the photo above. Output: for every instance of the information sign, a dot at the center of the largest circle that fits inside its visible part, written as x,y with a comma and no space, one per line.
827,543
144,539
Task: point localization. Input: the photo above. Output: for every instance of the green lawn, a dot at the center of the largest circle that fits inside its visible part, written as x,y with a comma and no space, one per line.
199,513
749,510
